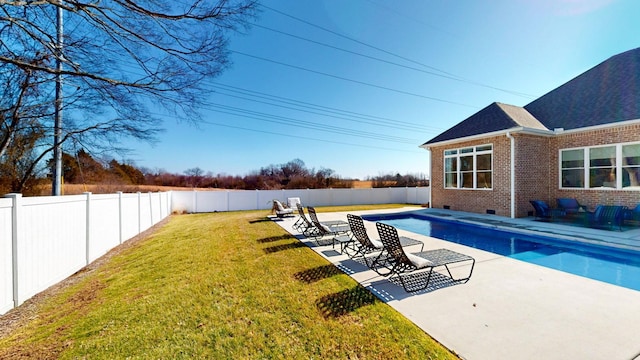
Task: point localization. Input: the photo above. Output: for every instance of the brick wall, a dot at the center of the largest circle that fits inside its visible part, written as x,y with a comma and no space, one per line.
536,177
481,200
593,197
533,168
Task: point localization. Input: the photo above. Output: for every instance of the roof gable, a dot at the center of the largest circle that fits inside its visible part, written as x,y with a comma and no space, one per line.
607,93
495,117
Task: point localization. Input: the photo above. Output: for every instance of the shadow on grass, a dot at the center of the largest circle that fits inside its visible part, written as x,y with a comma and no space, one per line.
265,219
283,247
318,273
344,302
274,238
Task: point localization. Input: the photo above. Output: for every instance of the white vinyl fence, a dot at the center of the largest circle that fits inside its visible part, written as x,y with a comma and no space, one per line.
232,200
43,240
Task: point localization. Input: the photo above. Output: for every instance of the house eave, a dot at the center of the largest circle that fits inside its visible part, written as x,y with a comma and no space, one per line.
520,129
597,127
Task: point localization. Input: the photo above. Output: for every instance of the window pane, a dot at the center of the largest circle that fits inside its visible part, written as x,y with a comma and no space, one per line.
467,180
483,162
572,159
631,155
604,156
573,178
466,163
484,148
631,165
602,177
451,180
484,180
450,164
466,150
450,152
630,176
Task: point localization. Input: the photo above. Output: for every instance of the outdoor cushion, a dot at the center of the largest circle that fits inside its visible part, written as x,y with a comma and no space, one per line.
376,243
418,261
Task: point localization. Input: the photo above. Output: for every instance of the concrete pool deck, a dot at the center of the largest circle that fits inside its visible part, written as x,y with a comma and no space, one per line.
510,309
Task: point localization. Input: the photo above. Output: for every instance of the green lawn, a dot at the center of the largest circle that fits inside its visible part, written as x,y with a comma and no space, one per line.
217,286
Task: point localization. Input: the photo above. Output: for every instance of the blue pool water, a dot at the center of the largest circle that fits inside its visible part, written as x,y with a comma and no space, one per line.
614,266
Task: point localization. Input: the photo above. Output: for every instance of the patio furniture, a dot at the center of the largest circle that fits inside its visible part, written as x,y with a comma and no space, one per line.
633,215
293,202
305,226
607,215
314,218
324,230
416,270
280,210
364,245
544,212
571,206
302,222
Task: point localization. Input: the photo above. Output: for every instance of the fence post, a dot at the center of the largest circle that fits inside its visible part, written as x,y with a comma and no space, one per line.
150,209
88,228
120,216
139,212
15,232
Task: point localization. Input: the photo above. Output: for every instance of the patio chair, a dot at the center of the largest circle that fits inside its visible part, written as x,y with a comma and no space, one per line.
314,218
633,214
324,230
571,206
544,212
280,210
607,215
303,223
416,270
364,245
293,202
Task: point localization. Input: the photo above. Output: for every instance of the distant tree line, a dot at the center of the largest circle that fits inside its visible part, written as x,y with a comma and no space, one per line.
398,180
82,168
291,175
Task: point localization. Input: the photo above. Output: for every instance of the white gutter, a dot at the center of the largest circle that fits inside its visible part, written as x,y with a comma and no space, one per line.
430,179
519,129
512,164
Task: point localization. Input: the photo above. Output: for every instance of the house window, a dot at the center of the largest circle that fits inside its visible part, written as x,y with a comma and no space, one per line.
469,168
612,166
602,167
630,165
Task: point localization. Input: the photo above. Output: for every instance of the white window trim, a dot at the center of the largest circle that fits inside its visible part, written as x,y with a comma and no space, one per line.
459,172
587,167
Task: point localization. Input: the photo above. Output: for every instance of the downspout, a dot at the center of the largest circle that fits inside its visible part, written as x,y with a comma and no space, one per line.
512,165
430,178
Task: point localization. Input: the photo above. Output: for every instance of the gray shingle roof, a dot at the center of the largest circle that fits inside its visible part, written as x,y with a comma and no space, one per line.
607,93
495,117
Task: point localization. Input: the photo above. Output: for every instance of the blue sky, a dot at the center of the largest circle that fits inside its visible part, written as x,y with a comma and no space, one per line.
357,86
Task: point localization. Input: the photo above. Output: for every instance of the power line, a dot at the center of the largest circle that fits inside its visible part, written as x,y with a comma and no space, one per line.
450,77
306,124
355,40
354,81
297,137
328,112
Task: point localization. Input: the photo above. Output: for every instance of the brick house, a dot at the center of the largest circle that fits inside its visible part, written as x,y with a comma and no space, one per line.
581,140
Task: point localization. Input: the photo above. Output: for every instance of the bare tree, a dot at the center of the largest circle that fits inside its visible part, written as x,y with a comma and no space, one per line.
120,59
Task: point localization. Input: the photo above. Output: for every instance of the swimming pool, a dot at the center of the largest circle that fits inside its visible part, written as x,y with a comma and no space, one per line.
614,266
